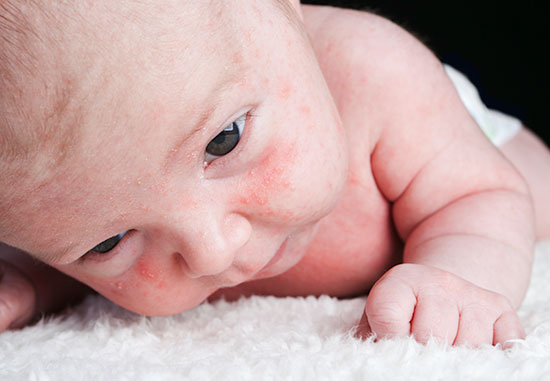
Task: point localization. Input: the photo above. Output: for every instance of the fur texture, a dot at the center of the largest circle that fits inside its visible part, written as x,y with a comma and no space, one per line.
263,338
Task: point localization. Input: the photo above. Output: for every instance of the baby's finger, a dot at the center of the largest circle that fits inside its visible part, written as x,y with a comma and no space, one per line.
390,308
17,298
435,317
507,327
475,327
363,329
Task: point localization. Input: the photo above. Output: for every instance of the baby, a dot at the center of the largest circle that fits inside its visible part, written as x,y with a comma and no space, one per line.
168,152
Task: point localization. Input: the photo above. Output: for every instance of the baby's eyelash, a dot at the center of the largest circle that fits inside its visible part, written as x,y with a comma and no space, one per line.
228,139
99,256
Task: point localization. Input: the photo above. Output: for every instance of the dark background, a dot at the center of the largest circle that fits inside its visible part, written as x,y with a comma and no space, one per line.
499,45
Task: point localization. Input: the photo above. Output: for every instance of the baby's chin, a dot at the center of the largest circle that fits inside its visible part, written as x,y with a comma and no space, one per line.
160,310
161,305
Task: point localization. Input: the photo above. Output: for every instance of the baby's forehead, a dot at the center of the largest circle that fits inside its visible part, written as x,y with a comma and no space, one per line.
90,57
97,81
85,59
85,51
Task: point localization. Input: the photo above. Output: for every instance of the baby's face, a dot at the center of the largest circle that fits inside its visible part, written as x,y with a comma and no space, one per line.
208,155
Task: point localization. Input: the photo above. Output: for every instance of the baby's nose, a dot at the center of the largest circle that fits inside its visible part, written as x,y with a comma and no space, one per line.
210,248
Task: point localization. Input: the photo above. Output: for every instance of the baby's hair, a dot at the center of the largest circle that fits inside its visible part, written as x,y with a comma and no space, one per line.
15,61
42,44
31,95
31,45
23,78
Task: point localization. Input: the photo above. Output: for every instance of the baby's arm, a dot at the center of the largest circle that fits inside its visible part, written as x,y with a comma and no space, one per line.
29,289
463,211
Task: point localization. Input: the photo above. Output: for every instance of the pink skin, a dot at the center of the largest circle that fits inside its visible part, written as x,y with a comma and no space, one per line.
195,228
260,184
277,215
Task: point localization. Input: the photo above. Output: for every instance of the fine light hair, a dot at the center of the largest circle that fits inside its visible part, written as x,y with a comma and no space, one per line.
33,94
40,91
24,73
16,62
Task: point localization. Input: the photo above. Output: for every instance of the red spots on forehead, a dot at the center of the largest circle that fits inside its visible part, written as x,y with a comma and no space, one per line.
248,37
156,111
286,90
237,58
305,110
243,82
258,13
256,53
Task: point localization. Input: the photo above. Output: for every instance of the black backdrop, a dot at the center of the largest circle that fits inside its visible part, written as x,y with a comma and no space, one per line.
500,46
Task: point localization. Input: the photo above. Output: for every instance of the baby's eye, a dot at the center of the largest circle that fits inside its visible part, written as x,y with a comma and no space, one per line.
226,140
108,244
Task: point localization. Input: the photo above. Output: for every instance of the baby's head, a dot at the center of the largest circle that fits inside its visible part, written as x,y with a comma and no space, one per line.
161,150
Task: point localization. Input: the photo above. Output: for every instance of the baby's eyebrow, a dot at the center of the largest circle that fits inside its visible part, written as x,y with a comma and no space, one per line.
217,94
171,157
57,256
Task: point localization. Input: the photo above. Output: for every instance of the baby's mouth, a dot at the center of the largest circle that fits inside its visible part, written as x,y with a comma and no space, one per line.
265,271
239,274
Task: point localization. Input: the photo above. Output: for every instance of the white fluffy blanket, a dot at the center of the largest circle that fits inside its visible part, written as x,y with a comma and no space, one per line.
263,338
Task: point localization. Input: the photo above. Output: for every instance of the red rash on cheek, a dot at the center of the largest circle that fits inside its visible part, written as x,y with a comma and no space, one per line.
118,288
143,281
145,270
149,273
269,180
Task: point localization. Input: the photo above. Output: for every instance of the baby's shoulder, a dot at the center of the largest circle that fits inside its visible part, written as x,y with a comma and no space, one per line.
360,43
369,62
347,27
370,42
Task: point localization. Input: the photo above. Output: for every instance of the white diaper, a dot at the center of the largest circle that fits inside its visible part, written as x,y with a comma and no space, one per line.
498,126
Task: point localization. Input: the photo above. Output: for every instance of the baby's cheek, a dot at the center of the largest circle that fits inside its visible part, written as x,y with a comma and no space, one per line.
269,185
145,277
141,294
135,288
150,287
150,273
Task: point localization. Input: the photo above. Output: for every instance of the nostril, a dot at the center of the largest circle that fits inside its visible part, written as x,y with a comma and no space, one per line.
181,263
211,249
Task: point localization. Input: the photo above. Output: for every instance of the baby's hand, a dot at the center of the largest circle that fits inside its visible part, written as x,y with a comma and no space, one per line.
428,302
17,297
